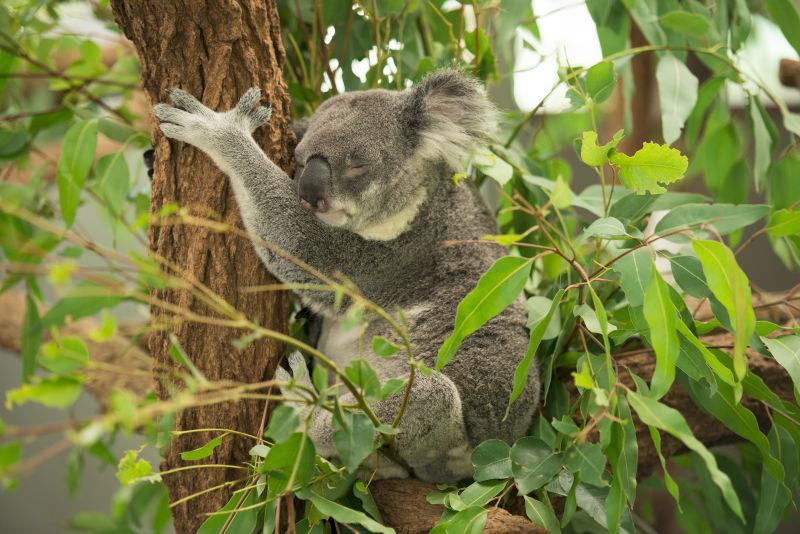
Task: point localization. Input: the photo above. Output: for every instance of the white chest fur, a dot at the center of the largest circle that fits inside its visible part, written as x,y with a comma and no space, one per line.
339,344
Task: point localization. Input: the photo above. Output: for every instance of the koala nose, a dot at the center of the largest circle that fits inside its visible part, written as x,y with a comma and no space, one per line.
311,186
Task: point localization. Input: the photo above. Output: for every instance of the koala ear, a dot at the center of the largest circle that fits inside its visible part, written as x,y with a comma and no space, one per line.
299,128
447,115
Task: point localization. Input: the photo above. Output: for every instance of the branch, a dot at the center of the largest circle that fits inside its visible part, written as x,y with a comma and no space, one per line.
119,363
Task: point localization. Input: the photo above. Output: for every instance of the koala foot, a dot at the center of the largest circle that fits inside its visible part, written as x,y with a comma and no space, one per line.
192,122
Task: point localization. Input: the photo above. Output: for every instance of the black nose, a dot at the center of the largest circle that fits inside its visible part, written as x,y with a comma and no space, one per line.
311,186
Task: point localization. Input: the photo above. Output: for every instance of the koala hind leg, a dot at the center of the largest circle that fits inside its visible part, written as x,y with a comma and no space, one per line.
432,438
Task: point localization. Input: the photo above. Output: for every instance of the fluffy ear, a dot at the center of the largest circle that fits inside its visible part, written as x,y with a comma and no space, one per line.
447,115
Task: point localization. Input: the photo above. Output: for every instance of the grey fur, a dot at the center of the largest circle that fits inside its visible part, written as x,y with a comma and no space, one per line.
407,206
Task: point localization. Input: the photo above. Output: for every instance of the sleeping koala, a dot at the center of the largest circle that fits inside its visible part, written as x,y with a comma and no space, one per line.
374,199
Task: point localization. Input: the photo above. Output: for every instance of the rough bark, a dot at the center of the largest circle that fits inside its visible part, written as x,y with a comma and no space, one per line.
215,50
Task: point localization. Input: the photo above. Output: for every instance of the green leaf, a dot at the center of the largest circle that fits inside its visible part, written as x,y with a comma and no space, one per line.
282,423
105,330
132,469
774,496
600,81
561,196
677,91
295,456
594,155
492,460
784,223
661,416
731,287
687,23
30,337
361,491
725,218
623,451
762,141
785,14
52,391
688,273
480,493
495,291
177,353
353,436
542,515
635,272
661,316
64,354
10,454
524,366
364,377
77,154
537,308
113,180
720,371
631,208
786,350
243,522
384,347
470,520
205,451
493,166
651,165
391,387
669,482
588,460
605,228
735,416
533,464
342,514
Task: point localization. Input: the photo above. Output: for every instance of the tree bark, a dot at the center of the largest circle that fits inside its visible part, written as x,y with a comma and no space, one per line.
215,50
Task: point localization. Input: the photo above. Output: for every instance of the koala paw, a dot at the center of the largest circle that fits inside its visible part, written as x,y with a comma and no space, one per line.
250,112
298,377
192,122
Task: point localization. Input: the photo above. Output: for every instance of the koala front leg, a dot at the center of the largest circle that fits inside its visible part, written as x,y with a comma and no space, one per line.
431,437
265,194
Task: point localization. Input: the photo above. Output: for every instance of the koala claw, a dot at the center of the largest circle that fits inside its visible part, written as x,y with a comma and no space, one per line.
187,102
248,100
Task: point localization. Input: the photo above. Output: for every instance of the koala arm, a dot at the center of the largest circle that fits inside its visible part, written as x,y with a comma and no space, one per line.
265,194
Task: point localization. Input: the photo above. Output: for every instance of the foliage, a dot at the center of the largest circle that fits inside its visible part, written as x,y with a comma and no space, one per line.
590,261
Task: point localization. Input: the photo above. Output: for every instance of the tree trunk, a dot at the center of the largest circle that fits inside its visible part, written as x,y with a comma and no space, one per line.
215,50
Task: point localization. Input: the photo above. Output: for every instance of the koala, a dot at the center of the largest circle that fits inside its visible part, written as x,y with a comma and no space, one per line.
373,198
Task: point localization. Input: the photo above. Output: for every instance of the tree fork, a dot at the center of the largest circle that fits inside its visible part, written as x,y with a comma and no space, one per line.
215,50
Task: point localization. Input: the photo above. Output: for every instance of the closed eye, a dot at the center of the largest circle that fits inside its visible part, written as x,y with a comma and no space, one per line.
356,170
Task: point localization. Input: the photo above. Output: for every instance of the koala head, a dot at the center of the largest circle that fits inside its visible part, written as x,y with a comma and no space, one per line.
367,160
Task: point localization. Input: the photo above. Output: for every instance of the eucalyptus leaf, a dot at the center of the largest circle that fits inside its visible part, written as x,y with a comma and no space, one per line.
786,350
731,287
495,291
661,317
492,460
77,154
677,90
651,165
725,218
533,464
661,416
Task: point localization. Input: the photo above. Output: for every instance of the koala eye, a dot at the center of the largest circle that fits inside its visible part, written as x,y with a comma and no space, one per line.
356,169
